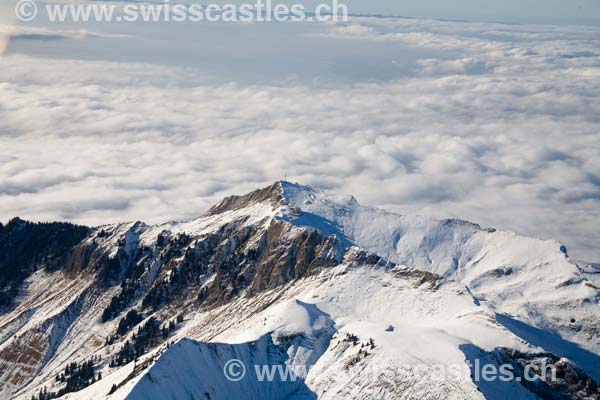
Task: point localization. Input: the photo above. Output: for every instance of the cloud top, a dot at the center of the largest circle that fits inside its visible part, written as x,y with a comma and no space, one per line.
501,128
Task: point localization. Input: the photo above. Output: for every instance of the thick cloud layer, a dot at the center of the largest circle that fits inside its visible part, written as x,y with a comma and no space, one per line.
497,124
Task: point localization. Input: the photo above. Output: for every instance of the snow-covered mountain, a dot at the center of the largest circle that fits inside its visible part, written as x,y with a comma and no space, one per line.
356,301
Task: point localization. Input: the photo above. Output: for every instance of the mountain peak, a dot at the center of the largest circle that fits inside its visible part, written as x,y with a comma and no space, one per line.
304,196
272,194
277,194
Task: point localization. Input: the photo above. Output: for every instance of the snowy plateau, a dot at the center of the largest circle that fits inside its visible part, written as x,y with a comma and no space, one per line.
373,302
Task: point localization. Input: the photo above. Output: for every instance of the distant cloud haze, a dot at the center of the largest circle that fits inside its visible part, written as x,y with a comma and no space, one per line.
497,124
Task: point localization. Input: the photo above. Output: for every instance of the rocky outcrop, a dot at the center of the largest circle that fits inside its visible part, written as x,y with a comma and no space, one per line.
239,259
272,195
556,378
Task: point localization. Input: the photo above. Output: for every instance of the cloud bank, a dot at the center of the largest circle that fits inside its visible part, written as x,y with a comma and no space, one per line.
503,129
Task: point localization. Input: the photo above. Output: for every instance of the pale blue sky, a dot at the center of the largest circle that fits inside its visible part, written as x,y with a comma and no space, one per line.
561,11
546,11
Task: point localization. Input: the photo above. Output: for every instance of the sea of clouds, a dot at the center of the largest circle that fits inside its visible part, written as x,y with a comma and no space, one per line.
494,123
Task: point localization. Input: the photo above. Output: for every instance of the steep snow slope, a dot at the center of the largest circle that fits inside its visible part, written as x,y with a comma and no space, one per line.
39,327
190,369
306,324
533,280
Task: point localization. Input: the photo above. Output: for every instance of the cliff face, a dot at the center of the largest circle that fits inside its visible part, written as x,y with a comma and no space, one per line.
26,247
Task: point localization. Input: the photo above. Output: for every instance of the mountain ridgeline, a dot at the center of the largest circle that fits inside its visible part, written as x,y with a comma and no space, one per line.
105,298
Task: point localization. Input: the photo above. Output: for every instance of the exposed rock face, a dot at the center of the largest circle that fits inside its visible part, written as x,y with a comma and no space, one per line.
239,259
558,378
272,195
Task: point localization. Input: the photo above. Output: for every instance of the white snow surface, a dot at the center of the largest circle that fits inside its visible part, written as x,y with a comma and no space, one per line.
432,330
531,279
499,289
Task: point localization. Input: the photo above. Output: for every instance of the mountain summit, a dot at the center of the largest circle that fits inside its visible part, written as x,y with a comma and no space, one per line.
373,302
